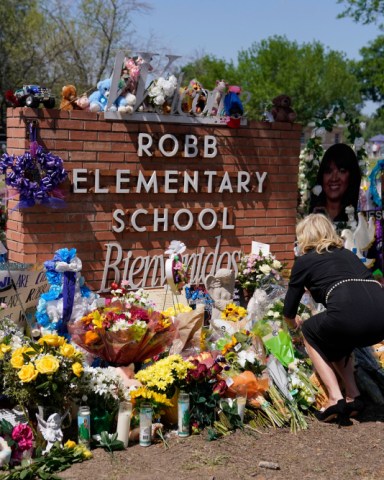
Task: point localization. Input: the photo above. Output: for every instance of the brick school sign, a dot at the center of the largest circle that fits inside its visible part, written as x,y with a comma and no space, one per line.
135,186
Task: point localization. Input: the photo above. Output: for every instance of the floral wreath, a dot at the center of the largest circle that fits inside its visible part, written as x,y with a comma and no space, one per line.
35,175
378,169
311,155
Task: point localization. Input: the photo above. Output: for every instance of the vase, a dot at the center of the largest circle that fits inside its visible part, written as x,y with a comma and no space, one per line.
102,420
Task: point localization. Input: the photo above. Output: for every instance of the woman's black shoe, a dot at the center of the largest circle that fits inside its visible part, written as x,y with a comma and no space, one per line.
336,412
355,407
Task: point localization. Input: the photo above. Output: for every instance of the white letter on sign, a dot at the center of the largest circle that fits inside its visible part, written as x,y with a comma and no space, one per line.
210,149
144,147
175,148
190,148
76,179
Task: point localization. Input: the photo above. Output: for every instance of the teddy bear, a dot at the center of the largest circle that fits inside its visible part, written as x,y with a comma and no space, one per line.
281,109
98,100
130,104
218,94
188,94
68,98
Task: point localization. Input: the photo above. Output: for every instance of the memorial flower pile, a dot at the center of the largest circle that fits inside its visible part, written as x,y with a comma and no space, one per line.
257,270
127,329
43,373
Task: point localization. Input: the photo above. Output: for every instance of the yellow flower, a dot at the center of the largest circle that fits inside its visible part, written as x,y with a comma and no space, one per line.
47,364
85,453
77,369
68,350
51,339
4,348
97,319
17,361
69,444
28,373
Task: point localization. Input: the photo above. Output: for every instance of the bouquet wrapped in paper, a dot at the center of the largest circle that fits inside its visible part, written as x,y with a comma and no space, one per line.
127,329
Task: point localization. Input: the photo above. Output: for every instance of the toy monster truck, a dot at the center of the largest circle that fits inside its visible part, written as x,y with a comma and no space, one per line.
33,95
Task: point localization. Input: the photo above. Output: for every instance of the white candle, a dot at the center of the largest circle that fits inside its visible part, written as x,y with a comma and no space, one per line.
124,422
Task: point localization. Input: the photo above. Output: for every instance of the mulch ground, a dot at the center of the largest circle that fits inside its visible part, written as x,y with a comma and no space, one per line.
323,451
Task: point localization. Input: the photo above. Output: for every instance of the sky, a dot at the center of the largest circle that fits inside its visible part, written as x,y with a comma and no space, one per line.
224,27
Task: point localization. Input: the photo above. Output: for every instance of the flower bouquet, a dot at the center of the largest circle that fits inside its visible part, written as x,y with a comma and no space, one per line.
164,378
258,270
233,319
43,373
127,329
206,388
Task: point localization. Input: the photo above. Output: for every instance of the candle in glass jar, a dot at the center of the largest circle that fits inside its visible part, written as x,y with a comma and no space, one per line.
183,414
145,425
124,422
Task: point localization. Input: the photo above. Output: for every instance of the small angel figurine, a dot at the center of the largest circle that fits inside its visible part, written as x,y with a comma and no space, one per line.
51,429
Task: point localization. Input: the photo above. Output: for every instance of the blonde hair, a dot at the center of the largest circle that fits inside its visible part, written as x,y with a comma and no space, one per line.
317,232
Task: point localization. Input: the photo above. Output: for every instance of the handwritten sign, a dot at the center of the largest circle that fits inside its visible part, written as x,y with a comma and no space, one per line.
20,288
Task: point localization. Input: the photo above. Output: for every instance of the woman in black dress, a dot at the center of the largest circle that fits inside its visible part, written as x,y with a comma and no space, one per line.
354,316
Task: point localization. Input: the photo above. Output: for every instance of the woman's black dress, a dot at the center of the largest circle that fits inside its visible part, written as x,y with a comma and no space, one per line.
355,310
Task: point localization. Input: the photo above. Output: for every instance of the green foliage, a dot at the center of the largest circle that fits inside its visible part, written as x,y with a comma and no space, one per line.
362,11
315,78
109,442
370,70
207,70
45,468
375,124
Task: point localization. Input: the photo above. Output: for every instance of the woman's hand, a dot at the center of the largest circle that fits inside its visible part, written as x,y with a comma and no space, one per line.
293,323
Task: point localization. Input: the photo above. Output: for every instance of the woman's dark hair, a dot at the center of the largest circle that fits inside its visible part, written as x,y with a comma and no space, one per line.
344,157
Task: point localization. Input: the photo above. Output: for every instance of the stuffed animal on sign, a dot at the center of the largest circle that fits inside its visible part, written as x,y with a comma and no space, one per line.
83,102
218,94
130,106
68,98
233,107
98,100
10,99
282,110
188,94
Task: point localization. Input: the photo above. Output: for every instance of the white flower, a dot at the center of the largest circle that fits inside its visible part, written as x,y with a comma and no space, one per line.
276,264
276,315
246,355
266,269
362,125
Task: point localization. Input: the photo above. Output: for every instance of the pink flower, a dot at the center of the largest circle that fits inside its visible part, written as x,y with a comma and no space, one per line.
23,435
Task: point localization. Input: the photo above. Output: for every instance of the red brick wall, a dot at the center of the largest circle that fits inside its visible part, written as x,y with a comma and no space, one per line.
86,140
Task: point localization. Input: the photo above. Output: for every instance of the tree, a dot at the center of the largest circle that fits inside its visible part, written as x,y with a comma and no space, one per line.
314,78
370,70
85,36
207,69
363,11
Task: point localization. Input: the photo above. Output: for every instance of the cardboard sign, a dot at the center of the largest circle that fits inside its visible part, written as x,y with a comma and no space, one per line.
20,289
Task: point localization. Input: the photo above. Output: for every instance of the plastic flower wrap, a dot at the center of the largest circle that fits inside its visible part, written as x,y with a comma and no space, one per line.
257,270
233,319
68,298
44,373
127,329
